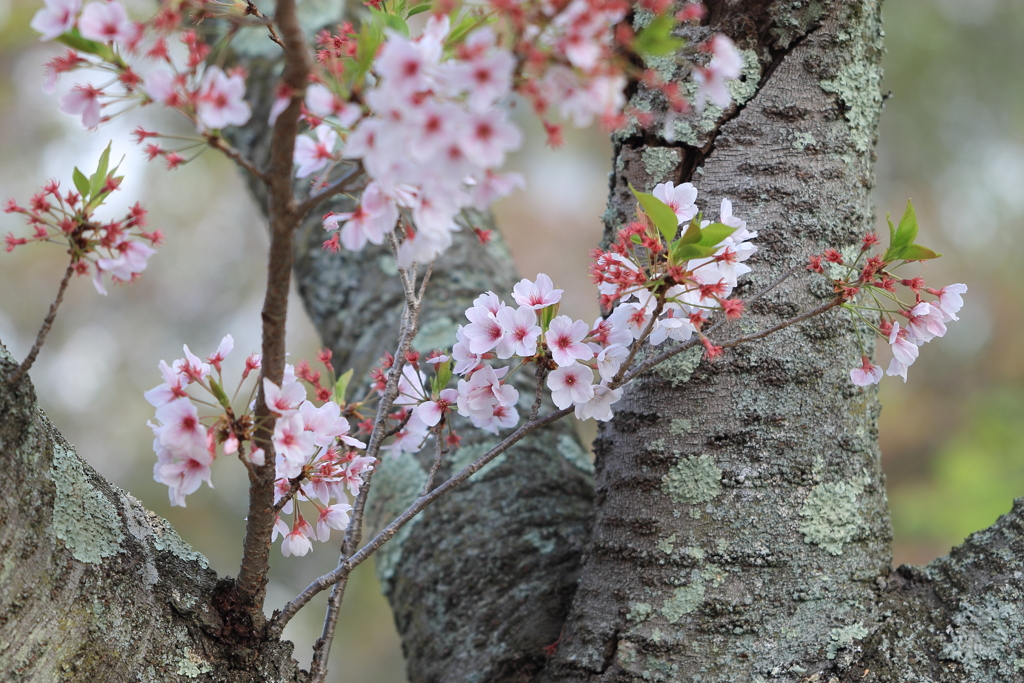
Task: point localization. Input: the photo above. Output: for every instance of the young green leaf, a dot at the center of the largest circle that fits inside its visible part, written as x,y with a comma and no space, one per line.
391,21
99,178
636,239
418,9
656,38
906,233
341,386
659,212
218,391
915,252
75,41
81,184
706,243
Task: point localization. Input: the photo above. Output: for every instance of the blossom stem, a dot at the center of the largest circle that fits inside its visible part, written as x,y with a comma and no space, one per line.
44,329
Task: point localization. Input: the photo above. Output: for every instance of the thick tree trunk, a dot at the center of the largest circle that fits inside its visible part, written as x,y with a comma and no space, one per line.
740,529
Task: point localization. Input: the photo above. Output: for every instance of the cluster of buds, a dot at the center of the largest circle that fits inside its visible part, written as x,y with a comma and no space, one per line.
118,248
317,464
870,284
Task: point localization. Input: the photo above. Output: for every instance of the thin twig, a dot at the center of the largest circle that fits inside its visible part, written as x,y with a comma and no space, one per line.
541,374
341,184
617,379
438,452
230,152
252,9
400,426
44,328
296,485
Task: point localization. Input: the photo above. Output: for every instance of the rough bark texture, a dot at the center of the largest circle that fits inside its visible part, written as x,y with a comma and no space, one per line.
740,525
740,530
94,587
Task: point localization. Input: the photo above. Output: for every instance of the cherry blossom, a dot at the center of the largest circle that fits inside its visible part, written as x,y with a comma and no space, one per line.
375,216
538,294
220,101
180,430
950,302
56,17
332,517
296,542
312,155
292,444
571,384
283,400
599,406
431,412
519,332
83,100
726,64
679,198
564,338
867,374
106,22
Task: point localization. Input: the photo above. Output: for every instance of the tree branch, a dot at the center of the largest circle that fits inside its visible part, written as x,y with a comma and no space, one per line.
44,329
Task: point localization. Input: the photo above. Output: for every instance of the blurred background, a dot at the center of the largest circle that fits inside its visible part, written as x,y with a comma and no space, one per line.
952,138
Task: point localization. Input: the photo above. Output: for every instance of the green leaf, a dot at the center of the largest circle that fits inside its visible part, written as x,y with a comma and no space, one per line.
906,233
443,376
915,252
99,178
391,21
706,243
892,230
636,239
656,38
341,386
692,234
81,184
659,212
74,40
218,391
419,9
713,235
547,314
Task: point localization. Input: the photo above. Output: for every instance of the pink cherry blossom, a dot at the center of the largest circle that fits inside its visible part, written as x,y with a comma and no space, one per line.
431,412
132,259
106,22
610,359
56,17
502,417
484,331
493,186
191,366
571,384
283,400
904,352
220,101
312,155
950,302
180,429
325,423
678,198
599,406
332,517
292,444
488,136
483,391
84,101
520,332
172,388
867,374
538,294
295,543
223,349
564,338
375,217
925,322
183,477
726,64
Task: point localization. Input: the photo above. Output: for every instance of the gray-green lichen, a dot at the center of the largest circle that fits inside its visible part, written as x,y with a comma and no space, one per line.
831,515
983,638
667,545
638,611
543,545
436,333
693,480
843,637
661,163
192,665
684,600
680,427
679,367
83,518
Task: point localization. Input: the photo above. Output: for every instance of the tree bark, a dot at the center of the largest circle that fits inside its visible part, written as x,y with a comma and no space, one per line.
739,531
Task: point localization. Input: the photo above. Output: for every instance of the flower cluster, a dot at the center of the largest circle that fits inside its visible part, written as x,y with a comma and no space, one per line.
118,248
140,65
870,284
317,461
432,142
666,287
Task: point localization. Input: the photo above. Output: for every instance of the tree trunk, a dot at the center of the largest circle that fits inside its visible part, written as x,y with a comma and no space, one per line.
739,525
